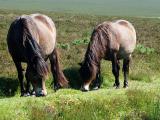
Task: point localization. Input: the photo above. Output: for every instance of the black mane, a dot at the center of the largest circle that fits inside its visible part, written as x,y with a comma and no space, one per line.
95,52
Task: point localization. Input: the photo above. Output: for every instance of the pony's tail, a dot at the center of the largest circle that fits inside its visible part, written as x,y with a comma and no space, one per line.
32,49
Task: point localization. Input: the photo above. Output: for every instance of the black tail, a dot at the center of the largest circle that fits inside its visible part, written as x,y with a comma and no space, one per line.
32,49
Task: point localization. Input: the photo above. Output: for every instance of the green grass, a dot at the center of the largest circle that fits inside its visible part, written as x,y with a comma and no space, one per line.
144,50
135,102
139,101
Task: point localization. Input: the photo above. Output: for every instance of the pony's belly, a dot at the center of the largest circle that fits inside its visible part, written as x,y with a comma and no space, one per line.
123,54
47,41
48,47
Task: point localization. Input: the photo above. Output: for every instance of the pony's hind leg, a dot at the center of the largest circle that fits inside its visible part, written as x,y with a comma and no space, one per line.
115,70
20,76
126,71
59,78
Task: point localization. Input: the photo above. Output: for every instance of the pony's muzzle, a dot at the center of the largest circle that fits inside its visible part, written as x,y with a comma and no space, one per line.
40,92
85,87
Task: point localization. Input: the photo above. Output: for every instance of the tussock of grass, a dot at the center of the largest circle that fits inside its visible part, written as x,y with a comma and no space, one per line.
144,50
144,104
144,77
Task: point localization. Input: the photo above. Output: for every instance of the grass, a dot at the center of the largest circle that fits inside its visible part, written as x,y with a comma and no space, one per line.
144,50
139,101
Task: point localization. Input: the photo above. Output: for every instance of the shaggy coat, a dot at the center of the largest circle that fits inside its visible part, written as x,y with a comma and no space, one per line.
32,39
110,41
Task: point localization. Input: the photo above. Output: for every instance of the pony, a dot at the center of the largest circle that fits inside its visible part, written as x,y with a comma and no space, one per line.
111,41
32,39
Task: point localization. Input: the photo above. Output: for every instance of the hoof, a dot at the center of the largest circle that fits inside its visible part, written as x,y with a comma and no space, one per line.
22,94
25,94
41,94
57,87
116,86
95,88
33,93
125,86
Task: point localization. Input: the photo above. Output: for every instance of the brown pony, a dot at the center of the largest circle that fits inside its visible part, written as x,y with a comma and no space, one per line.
32,39
110,41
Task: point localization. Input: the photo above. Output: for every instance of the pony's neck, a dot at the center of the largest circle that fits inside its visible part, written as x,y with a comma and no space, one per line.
91,66
94,53
92,60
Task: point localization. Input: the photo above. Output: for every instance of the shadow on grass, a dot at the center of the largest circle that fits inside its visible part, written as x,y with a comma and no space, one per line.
8,87
73,77
75,81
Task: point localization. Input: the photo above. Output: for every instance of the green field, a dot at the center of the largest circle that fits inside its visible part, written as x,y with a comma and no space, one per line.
141,101
148,8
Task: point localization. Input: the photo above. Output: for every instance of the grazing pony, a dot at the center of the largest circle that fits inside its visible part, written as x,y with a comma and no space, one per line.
110,41
32,39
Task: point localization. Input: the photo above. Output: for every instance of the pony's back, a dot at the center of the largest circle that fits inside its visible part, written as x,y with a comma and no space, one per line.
125,37
126,33
45,33
23,46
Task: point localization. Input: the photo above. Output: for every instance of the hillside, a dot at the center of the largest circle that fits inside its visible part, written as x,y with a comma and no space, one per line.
147,8
140,101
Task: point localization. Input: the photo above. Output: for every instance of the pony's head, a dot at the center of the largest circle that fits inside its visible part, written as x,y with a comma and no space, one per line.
88,73
36,72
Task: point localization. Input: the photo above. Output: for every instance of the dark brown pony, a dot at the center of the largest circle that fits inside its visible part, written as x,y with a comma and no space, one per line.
32,39
110,41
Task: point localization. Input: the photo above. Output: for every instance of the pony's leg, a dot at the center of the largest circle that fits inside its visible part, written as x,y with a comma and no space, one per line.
59,78
126,71
28,82
115,70
97,82
20,76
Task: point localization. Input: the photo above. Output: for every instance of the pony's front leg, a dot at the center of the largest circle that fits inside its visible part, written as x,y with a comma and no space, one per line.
115,70
20,76
59,78
28,83
97,82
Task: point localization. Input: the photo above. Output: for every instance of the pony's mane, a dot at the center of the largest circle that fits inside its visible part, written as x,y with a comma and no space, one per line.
98,44
33,50
96,51
28,28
